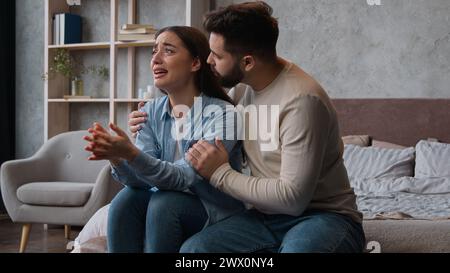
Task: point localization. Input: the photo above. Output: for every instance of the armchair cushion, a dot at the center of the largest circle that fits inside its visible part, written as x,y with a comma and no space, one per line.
59,194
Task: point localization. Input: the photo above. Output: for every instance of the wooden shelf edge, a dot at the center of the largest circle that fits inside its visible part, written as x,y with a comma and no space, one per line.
103,45
78,100
130,100
82,46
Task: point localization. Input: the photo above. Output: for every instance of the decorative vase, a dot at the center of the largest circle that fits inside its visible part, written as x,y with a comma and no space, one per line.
76,87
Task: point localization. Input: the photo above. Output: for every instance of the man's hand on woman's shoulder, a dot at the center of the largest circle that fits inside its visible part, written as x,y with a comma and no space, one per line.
135,119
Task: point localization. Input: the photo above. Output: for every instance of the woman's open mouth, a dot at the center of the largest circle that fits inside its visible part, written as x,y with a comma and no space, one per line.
159,73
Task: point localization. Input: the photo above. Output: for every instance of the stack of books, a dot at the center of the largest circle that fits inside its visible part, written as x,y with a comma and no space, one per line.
136,32
66,29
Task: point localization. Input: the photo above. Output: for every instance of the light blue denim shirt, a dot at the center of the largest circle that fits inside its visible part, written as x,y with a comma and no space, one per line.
154,168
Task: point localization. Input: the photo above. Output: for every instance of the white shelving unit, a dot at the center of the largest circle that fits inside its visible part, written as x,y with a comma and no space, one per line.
57,109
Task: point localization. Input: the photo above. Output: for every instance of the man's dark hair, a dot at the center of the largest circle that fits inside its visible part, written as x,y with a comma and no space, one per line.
247,28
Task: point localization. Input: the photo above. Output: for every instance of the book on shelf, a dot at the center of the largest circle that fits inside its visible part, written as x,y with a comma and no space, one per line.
68,97
135,37
137,31
55,29
135,26
66,29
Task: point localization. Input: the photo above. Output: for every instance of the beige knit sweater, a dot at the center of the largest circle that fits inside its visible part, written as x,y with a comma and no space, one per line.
305,170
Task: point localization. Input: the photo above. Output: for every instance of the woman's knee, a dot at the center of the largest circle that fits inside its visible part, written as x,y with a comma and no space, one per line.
129,199
172,202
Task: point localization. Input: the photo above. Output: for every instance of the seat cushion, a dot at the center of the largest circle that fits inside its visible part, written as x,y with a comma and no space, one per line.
60,194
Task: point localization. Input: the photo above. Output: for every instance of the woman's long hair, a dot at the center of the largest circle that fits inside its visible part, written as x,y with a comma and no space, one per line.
197,45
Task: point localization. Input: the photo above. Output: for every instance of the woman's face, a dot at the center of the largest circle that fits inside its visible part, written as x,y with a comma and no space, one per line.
172,65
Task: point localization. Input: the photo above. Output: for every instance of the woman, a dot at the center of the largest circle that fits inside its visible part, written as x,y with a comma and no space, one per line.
155,165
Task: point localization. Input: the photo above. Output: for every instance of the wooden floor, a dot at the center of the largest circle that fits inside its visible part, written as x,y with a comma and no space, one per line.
40,241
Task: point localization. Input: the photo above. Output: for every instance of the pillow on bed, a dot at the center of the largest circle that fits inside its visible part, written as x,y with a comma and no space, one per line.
94,245
360,140
373,162
432,159
95,227
387,145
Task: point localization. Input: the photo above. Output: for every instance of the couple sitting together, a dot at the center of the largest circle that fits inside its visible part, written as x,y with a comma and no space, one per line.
185,186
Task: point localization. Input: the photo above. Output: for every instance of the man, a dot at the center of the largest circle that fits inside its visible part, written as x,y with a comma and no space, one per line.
298,194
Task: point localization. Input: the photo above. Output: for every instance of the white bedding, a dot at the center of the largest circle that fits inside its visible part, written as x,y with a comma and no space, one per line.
408,196
374,162
94,228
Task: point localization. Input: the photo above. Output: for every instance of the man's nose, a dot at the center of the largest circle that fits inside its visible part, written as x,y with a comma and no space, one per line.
209,60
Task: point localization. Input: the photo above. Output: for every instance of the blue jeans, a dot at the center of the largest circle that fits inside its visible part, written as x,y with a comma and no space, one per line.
169,221
255,232
142,221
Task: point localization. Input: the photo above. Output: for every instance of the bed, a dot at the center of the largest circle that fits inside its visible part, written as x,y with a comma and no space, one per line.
390,222
403,122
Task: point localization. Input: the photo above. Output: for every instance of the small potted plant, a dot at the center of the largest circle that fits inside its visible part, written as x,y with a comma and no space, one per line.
64,64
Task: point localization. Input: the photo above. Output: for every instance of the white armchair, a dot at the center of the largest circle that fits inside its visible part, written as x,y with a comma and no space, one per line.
57,185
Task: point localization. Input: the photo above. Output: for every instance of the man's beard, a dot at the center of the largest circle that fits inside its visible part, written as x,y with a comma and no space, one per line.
231,79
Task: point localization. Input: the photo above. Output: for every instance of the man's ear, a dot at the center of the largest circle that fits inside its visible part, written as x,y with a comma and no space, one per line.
196,64
248,62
